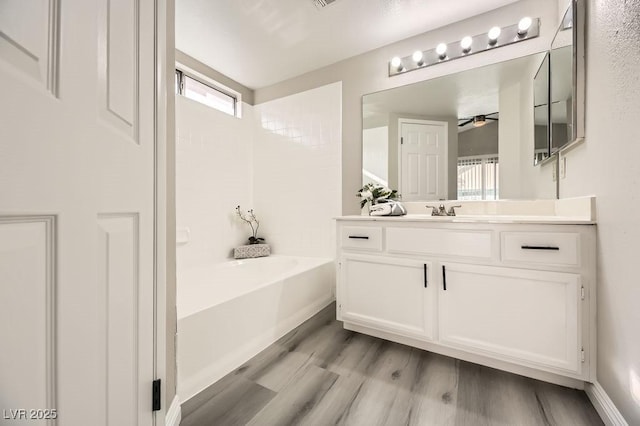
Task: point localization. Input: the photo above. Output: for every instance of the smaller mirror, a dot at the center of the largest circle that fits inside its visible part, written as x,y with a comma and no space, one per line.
542,138
567,82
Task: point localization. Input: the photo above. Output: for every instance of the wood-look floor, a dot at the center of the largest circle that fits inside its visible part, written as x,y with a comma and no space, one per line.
320,374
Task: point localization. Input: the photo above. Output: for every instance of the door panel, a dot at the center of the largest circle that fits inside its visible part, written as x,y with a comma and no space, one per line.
388,294
118,77
27,277
423,161
29,39
77,148
522,314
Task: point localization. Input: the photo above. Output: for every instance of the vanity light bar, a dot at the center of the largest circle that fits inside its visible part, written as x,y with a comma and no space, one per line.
526,29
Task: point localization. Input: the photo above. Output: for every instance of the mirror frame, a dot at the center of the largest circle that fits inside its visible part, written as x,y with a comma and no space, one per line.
543,71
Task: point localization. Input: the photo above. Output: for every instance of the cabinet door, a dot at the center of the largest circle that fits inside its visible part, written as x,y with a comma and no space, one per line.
393,295
525,316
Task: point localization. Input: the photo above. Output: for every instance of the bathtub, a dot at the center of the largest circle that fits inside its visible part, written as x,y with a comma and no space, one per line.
229,312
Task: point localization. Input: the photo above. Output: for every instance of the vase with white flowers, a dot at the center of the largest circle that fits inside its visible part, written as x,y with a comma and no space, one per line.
374,193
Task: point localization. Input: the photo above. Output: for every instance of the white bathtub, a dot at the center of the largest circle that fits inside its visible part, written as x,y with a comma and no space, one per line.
229,312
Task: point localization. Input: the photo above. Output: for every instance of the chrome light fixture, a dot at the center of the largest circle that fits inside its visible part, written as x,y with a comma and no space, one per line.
527,28
479,121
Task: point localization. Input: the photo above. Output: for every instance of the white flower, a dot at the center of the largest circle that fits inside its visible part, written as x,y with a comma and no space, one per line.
367,195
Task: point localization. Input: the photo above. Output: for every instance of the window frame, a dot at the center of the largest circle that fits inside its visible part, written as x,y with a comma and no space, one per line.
182,71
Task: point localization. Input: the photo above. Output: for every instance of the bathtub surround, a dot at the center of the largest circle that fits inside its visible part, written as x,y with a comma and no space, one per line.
213,176
320,374
297,170
282,157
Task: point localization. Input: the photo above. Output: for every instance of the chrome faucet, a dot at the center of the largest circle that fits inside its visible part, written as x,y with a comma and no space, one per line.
438,211
451,211
442,211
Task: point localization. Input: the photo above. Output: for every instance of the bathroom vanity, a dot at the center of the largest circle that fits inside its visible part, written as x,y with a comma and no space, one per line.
511,292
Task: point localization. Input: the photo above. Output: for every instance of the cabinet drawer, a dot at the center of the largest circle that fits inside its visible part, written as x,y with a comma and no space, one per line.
441,242
549,248
361,237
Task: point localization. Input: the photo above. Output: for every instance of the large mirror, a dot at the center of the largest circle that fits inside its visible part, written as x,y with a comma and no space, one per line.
466,136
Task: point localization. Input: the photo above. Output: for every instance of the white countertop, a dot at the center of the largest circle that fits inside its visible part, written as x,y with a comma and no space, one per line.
542,219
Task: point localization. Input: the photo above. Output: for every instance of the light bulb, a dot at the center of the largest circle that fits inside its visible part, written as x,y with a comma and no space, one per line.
396,62
494,33
418,58
524,25
441,50
466,44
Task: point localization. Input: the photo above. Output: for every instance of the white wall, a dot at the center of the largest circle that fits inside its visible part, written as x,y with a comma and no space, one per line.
518,177
537,182
297,171
509,142
607,165
375,142
213,175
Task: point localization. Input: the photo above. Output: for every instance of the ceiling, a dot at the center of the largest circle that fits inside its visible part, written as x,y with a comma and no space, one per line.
464,94
262,42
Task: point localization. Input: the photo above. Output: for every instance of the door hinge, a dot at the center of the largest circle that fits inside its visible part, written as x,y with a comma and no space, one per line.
155,397
582,292
401,140
582,354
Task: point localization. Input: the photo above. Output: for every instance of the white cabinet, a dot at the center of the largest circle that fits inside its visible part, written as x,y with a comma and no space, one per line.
514,296
515,314
395,295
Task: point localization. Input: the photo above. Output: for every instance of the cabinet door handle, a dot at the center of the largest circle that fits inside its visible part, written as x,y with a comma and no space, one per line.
426,283
539,248
444,278
358,237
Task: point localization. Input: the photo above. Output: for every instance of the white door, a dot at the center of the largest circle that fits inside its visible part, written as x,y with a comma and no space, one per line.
77,210
525,316
389,294
423,160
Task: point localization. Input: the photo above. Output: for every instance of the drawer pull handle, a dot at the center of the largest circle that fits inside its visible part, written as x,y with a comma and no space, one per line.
539,248
444,279
426,283
358,237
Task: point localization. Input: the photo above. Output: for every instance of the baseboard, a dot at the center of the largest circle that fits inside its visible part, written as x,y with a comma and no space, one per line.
174,415
604,405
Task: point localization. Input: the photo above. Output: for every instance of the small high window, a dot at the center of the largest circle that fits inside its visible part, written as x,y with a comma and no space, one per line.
207,93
